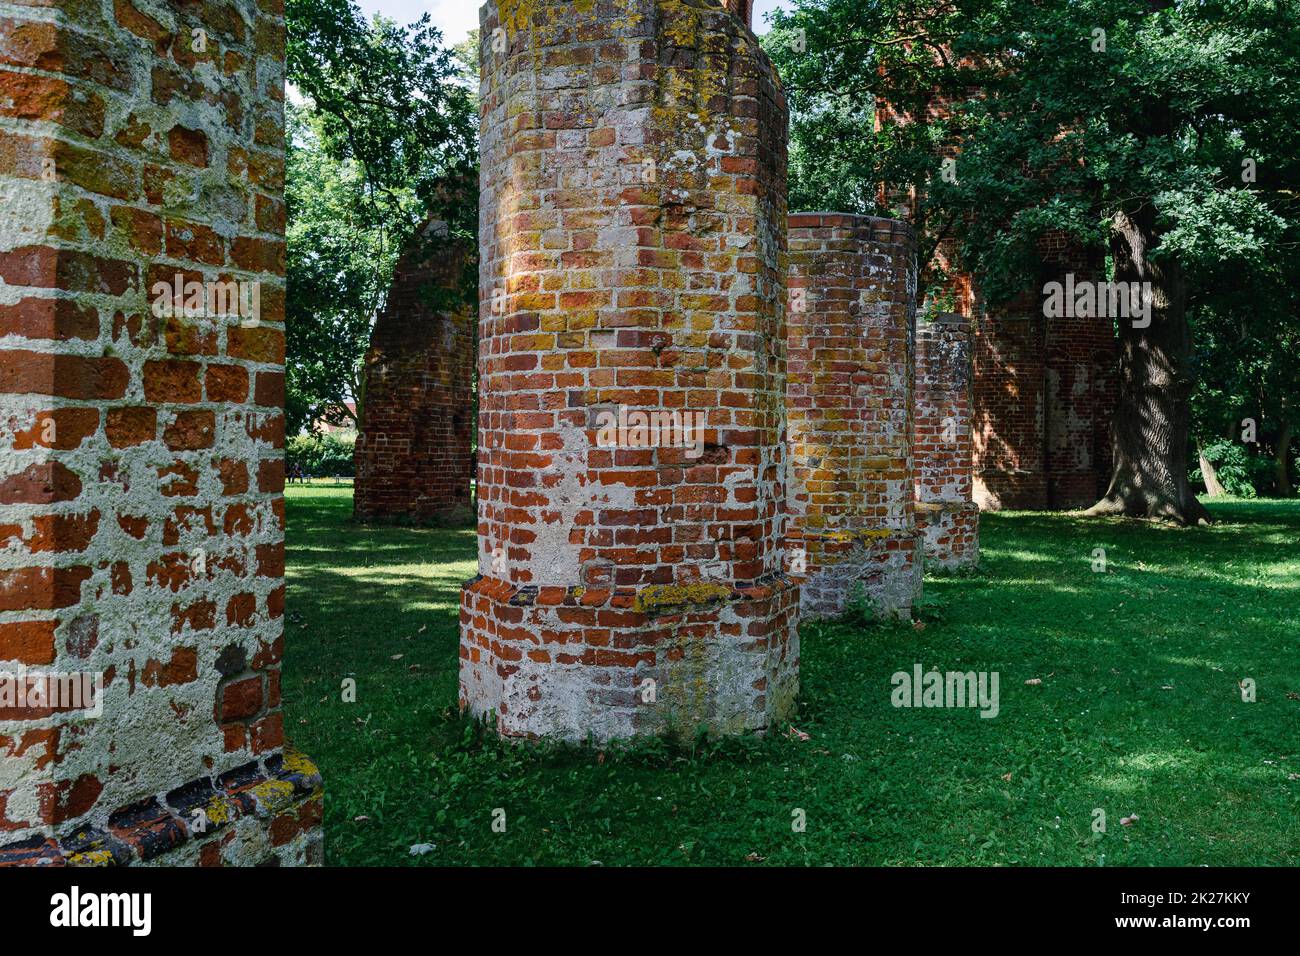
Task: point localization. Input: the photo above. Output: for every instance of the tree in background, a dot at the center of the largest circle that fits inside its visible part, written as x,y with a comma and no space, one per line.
1245,405
1164,131
385,137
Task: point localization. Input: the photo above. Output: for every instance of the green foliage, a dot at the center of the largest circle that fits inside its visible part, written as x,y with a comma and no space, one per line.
385,139
389,99
340,262
320,456
1139,671
1242,474
1191,109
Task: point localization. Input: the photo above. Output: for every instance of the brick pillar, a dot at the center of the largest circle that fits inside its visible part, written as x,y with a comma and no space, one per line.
414,455
141,437
945,514
851,324
633,228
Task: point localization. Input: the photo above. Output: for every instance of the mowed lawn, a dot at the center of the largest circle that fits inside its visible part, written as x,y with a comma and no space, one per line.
1138,712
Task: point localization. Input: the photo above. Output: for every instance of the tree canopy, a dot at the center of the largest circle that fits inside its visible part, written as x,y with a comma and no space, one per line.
1163,131
384,136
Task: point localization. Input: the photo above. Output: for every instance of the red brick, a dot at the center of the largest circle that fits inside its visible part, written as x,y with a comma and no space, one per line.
28,642
191,430
242,699
43,483
135,425
172,381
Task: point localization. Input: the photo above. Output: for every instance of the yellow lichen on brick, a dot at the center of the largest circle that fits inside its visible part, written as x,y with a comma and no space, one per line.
273,795
91,858
675,595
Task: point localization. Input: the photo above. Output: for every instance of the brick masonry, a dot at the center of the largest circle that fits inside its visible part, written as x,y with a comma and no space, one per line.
850,330
946,515
141,444
414,455
633,229
1044,394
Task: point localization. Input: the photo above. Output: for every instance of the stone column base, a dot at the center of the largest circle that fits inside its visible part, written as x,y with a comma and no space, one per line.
951,531
594,664
265,813
886,563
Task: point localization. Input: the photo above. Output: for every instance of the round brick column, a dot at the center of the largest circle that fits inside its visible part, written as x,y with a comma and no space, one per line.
948,519
633,228
851,330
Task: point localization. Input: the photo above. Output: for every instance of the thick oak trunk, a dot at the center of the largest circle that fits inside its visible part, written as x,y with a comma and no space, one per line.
1151,429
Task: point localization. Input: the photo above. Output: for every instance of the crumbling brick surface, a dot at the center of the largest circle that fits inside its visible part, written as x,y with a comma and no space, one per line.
414,455
851,326
633,229
945,514
1044,394
141,426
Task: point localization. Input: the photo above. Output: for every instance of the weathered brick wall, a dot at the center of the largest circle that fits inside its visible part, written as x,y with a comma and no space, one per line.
414,454
141,468
945,514
1043,394
849,395
633,229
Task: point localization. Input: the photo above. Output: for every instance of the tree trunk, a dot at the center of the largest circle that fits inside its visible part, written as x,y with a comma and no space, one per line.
1282,461
1213,487
1150,432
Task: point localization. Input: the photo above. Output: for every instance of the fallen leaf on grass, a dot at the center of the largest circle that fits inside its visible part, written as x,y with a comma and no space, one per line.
1006,777
795,734
754,858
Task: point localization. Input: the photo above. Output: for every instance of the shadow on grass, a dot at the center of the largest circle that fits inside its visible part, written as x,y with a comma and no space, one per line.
1138,711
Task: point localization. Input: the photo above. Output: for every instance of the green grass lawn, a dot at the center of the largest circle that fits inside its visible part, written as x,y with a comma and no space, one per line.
1138,712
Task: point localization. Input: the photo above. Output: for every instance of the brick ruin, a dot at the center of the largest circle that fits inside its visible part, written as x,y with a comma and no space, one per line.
633,229
1043,389
850,328
1044,394
946,516
414,453
141,437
